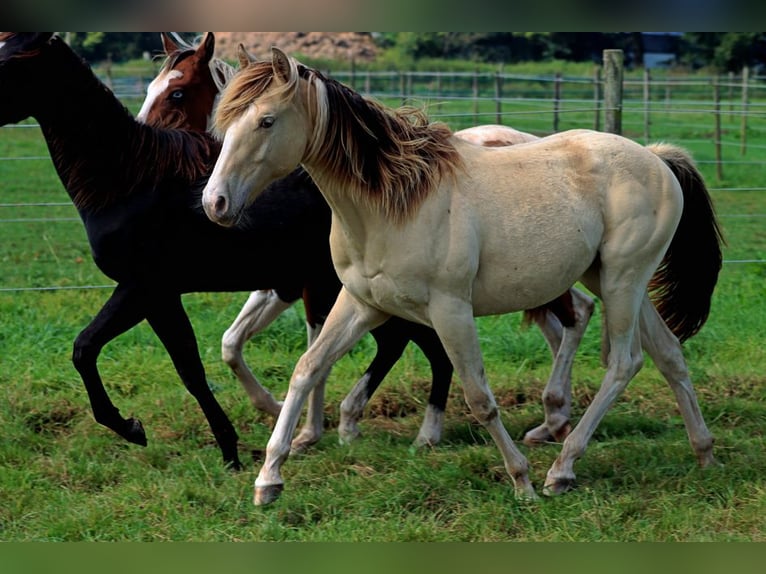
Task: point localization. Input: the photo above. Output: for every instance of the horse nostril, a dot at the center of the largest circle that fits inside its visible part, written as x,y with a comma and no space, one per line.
221,205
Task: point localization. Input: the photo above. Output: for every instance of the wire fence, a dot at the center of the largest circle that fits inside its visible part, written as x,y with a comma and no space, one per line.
722,119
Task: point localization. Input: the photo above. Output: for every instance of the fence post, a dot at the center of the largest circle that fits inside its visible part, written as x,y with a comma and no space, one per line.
556,101
475,97
717,131
647,105
613,60
743,128
498,96
597,97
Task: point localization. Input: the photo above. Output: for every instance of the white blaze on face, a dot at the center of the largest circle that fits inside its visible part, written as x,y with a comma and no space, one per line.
155,89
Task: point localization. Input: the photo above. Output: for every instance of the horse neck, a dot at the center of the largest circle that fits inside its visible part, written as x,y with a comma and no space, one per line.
100,151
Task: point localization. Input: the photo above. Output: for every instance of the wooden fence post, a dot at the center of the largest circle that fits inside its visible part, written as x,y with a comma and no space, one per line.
717,131
476,97
597,97
743,128
647,105
613,70
556,101
498,97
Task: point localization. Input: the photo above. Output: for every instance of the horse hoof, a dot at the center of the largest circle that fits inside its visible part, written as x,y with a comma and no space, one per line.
267,494
233,465
134,432
558,486
538,436
348,435
302,442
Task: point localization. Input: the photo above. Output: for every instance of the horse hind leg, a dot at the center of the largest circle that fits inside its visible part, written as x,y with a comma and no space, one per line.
621,307
557,395
123,311
391,345
665,350
260,310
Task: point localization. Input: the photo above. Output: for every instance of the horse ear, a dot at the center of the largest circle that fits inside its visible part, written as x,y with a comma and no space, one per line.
244,58
207,47
168,44
281,64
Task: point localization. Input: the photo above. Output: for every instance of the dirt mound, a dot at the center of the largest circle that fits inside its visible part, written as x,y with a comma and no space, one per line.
331,45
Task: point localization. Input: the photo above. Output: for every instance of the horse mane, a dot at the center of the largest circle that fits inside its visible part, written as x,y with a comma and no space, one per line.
107,144
388,159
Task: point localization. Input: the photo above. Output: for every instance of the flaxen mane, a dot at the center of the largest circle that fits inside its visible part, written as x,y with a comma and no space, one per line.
393,159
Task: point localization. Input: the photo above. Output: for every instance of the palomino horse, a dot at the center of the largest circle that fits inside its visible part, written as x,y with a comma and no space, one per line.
438,230
183,95
135,188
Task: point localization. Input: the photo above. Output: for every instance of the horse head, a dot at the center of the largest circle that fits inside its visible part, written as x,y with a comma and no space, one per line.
184,92
265,119
21,74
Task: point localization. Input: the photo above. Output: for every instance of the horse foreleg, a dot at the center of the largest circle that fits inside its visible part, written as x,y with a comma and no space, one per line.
167,317
453,320
347,322
665,350
260,310
122,311
557,396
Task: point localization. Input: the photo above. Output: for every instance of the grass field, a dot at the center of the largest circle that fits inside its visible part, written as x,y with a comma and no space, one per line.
65,478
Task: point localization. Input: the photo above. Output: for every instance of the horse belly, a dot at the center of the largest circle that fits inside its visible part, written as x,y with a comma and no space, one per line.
519,271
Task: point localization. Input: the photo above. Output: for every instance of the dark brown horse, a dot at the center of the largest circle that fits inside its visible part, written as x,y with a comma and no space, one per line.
134,188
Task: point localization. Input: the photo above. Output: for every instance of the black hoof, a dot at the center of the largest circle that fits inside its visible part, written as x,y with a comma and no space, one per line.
134,432
233,465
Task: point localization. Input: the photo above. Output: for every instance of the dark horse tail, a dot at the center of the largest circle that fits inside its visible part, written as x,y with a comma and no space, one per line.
682,287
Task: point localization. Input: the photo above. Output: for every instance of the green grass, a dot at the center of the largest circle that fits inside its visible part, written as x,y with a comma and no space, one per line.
65,478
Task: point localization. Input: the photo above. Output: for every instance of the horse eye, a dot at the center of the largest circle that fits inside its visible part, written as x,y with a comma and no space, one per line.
267,122
177,94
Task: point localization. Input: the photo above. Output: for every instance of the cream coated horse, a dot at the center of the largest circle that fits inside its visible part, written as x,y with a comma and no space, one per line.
183,95
437,230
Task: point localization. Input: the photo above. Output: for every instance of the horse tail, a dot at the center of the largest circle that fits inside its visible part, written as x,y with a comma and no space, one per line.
682,287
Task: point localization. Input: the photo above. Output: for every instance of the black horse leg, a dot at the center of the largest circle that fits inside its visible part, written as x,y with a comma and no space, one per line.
441,378
391,345
392,337
171,324
122,311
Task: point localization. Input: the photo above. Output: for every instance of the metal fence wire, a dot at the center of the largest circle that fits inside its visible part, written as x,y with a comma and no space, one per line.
725,117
